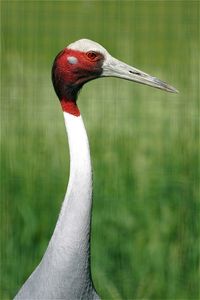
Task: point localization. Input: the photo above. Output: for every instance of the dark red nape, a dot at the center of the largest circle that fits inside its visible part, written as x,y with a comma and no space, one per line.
70,107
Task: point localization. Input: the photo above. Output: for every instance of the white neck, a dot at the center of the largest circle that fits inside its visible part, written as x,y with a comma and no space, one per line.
65,267
72,231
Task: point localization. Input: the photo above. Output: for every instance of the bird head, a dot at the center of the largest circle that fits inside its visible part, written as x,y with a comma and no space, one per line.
85,60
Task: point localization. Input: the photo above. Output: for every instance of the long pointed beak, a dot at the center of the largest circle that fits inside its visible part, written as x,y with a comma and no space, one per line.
113,67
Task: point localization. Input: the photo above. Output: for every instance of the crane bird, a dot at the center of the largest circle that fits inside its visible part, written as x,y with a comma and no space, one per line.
64,271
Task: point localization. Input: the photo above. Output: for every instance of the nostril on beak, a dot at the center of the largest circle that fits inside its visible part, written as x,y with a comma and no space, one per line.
135,73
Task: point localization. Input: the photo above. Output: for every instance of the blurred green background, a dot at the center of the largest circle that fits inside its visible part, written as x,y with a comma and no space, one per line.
144,144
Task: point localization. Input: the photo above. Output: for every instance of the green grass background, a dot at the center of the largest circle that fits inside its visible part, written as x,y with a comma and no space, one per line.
144,144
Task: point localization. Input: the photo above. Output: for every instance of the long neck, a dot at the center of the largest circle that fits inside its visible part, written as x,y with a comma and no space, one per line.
72,232
69,247
74,219
64,272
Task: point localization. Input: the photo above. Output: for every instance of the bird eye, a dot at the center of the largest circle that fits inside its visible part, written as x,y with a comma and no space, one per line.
91,55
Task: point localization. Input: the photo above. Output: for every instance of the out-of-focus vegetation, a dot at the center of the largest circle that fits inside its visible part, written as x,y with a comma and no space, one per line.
144,144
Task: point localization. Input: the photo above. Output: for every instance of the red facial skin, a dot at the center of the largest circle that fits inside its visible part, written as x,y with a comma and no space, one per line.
68,78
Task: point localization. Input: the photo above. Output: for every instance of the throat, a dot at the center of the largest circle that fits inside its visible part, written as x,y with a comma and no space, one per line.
70,107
